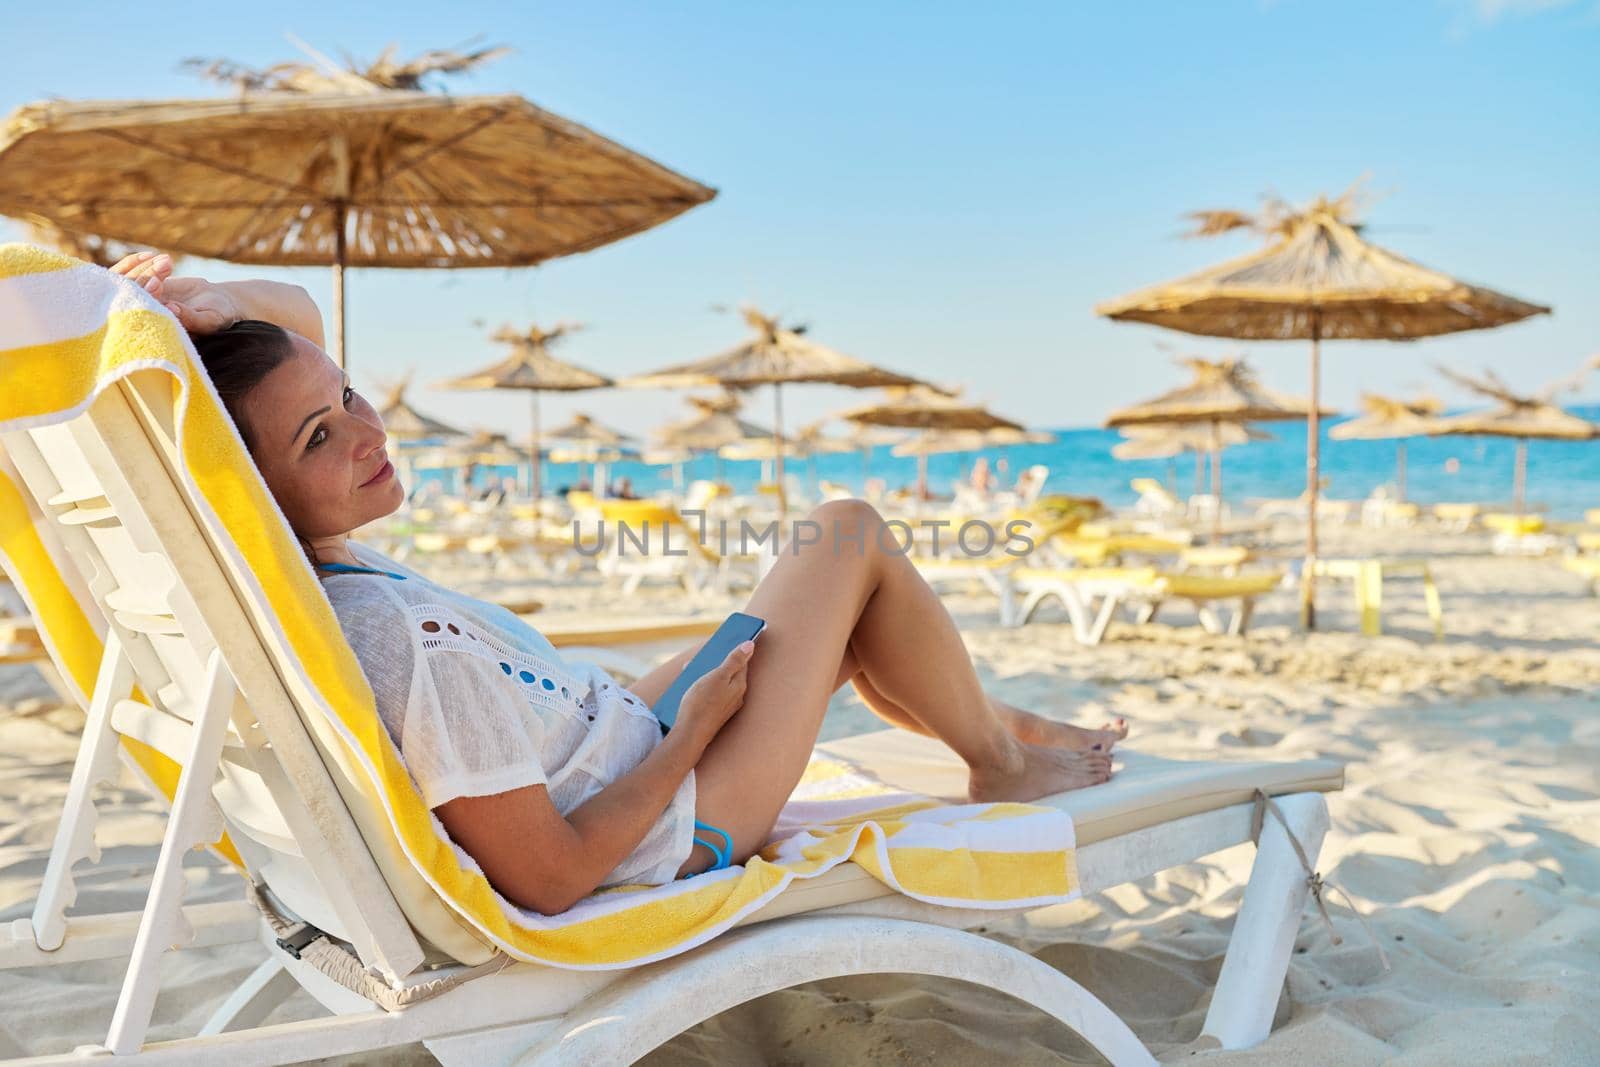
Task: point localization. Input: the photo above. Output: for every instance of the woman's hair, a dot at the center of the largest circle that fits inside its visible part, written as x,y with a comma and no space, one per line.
238,358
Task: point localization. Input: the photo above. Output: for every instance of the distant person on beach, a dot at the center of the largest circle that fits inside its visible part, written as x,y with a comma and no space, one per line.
982,480
551,776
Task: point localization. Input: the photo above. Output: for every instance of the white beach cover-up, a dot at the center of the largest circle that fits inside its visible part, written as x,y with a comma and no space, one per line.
479,702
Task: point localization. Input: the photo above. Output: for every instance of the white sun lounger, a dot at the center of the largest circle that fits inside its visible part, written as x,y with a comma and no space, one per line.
1092,595
187,631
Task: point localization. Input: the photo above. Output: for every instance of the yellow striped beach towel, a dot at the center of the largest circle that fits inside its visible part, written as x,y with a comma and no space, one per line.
69,330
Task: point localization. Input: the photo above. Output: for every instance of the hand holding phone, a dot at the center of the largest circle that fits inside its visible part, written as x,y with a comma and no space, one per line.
735,630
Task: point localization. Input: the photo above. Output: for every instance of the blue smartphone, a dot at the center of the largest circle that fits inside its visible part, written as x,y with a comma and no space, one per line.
735,630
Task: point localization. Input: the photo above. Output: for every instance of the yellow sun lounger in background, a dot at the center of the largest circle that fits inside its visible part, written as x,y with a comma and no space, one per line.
1586,567
1092,595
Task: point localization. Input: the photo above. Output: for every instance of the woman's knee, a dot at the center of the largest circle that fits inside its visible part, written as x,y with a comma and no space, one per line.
847,526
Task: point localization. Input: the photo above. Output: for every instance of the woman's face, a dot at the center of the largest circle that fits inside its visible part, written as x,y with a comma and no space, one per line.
320,446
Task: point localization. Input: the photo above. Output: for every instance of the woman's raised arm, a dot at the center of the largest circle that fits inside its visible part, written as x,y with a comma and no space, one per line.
205,306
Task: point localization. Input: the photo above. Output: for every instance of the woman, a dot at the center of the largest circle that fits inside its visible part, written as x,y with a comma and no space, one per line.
556,780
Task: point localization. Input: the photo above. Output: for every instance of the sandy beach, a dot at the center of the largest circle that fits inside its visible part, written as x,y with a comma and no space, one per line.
1466,837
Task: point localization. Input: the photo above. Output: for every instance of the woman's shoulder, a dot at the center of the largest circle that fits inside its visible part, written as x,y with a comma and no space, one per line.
366,600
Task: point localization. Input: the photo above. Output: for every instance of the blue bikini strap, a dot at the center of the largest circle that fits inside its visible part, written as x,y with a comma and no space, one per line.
345,568
723,855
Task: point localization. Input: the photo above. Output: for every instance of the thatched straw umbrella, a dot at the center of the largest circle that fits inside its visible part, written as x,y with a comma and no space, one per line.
91,248
531,367
1317,280
1171,441
773,355
583,440
1385,418
403,422
1516,416
715,426
1222,391
922,407
481,448
807,443
937,442
940,442
314,165
669,457
864,438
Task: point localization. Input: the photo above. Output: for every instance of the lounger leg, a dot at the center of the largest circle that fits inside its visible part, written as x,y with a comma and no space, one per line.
195,820
1263,933
1009,617
1430,595
640,1012
1102,619
1370,581
1241,617
268,986
1037,597
96,763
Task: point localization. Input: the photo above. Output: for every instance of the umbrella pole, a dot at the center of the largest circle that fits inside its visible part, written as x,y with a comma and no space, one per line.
1400,471
536,477
1216,483
866,469
339,148
1172,476
338,285
1199,472
1519,483
922,478
1308,578
777,446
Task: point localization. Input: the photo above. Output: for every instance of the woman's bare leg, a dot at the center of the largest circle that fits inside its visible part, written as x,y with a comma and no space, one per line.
1024,725
847,591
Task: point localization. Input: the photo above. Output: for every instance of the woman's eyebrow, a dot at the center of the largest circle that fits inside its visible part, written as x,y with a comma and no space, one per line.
308,418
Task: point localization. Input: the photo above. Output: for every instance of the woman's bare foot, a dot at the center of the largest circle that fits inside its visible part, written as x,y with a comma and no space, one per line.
1033,729
1033,771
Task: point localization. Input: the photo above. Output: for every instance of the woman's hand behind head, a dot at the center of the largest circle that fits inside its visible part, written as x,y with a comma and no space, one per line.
201,307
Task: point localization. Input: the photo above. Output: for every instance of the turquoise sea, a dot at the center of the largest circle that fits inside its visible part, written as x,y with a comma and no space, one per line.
1563,477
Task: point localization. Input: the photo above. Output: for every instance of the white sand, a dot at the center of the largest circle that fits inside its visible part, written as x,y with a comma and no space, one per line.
1467,835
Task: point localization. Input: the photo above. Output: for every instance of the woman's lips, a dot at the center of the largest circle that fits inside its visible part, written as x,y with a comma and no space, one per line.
383,472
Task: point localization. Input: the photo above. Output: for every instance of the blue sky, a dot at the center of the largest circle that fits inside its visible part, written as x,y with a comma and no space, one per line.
948,189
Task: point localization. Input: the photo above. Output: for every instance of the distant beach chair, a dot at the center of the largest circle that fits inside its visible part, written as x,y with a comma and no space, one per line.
1456,517
1155,501
1329,509
1093,595
645,539
1520,535
1381,510
204,638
